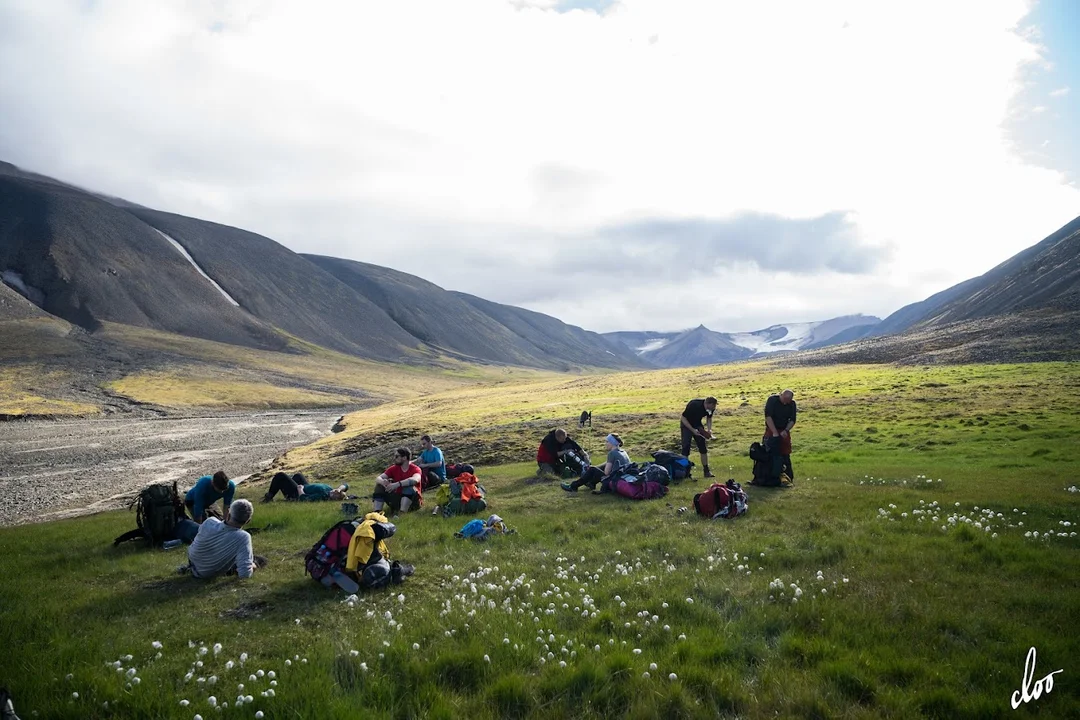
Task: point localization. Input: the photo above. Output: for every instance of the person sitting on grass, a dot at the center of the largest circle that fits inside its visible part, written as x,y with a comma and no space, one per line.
207,491
298,488
617,459
432,463
399,485
224,548
551,456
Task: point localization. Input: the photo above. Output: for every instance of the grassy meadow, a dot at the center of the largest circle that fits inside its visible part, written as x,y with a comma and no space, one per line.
928,543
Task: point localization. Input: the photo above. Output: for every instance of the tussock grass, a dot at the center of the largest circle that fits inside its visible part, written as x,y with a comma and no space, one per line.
930,622
24,391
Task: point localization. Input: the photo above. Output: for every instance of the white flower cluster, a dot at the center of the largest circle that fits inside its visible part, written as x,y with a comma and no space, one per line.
919,480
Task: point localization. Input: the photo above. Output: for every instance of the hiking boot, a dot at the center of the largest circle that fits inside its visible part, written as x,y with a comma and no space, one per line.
266,499
183,570
568,487
708,474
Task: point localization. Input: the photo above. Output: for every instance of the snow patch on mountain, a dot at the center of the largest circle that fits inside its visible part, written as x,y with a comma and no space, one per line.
195,265
777,337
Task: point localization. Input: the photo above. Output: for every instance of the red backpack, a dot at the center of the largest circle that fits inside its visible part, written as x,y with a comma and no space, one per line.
724,501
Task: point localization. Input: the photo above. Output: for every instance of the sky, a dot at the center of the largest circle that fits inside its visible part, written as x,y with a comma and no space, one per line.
619,164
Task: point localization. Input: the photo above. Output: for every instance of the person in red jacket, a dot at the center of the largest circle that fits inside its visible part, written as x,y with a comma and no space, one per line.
399,485
551,456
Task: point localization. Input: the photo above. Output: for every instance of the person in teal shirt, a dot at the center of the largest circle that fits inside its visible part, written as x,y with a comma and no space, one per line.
207,491
298,488
432,463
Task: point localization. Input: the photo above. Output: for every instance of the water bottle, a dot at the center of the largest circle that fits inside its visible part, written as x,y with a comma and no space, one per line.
170,544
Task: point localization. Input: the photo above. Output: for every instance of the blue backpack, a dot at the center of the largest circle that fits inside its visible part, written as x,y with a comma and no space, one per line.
677,466
473,528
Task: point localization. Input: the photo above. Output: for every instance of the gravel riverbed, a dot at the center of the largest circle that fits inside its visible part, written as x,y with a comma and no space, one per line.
55,469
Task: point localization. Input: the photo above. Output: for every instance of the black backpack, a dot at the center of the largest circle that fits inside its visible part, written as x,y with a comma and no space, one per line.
767,465
157,509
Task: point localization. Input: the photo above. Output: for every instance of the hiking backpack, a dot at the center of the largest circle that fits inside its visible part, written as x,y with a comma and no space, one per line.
452,471
721,501
638,488
677,466
157,508
330,552
767,465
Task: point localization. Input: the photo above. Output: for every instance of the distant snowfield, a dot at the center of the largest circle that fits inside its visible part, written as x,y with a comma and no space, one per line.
651,346
195,265
798,334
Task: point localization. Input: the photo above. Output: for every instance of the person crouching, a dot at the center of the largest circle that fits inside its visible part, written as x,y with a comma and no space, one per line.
399,485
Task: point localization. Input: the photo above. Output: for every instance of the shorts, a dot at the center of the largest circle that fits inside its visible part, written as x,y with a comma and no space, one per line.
393,499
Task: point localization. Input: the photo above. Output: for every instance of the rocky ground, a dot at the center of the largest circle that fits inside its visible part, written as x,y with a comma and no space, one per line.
55,469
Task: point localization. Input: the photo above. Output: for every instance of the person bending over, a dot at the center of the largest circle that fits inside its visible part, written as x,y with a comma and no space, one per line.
399,485
298,488
551,456
222,548
617,459
691,427
780,412
207,491
432,463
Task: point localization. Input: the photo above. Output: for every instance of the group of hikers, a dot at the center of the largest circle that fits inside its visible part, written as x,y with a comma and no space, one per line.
558,451
220,546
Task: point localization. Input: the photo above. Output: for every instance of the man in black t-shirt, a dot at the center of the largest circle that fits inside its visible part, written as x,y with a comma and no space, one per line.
780,413
691,427
551,456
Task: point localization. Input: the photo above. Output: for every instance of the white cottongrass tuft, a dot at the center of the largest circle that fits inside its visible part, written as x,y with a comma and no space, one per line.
673,677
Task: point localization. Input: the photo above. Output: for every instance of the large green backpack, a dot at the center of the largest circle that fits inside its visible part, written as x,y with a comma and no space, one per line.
157,508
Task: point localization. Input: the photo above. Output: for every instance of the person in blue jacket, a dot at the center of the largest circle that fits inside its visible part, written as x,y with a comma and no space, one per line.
207,491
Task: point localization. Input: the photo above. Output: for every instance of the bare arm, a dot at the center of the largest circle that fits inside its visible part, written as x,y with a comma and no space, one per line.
771,425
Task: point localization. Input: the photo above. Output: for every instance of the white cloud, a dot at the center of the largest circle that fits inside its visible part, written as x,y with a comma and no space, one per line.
1060,92
457,139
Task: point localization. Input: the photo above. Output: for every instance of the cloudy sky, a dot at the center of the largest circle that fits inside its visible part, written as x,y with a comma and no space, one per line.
621,164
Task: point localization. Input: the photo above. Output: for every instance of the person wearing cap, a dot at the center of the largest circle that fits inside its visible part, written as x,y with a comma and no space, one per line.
691,428
207,491
298,488
617,459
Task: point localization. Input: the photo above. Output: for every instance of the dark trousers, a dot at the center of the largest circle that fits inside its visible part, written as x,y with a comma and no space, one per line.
287,486
776,446
591,476
687,436
186,530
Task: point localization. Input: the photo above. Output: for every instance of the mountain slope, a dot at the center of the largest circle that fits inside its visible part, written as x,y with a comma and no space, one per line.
699,346
560,344
275,284
86,261
1044,275
702,346
436,316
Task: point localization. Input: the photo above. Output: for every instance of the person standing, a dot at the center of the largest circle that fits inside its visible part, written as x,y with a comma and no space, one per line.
691,426
432,463
399,485
780,412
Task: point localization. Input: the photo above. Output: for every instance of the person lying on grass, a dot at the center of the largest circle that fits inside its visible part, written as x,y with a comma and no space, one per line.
617,459
224,548
207,491
399,484
298,488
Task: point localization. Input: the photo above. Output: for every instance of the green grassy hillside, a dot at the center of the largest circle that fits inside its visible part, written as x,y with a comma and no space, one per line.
929,542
